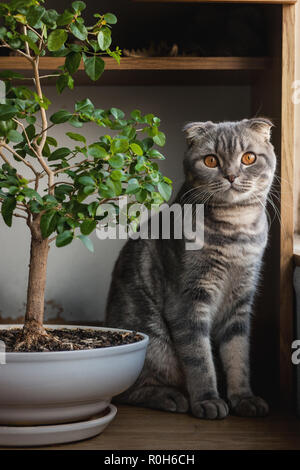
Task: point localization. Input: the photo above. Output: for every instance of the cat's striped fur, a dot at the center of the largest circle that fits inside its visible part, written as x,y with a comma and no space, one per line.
196,305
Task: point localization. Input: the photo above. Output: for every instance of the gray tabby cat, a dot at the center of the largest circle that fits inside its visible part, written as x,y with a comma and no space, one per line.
196,305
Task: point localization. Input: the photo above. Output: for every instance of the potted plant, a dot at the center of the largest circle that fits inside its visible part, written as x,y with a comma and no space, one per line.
61,375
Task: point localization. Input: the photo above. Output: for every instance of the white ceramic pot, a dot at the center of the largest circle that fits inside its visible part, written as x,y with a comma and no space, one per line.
64,387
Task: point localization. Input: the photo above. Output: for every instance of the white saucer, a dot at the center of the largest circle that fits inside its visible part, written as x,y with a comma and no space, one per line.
21,436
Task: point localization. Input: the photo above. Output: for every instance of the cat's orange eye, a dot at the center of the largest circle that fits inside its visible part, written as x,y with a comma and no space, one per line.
248,158
211,161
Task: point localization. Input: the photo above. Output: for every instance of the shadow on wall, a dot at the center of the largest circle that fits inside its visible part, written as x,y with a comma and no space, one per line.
78,281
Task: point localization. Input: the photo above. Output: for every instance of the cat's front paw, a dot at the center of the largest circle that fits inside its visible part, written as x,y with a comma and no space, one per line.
249,406
215,408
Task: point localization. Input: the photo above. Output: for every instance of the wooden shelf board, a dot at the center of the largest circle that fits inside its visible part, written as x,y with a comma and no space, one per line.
150,63
144,429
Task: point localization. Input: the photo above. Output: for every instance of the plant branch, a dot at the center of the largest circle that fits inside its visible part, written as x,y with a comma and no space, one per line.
26,43
40,146
21,216
61,182
70,167
2,144
22,208
52,239
4,158
26,135
28,57
34,31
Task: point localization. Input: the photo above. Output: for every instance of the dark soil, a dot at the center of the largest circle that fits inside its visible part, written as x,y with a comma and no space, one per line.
69,340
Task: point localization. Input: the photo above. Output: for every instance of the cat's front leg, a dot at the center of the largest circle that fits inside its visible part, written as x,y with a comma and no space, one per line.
191,336
234,353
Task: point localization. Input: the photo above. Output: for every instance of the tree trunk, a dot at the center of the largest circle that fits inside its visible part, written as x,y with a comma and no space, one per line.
36,283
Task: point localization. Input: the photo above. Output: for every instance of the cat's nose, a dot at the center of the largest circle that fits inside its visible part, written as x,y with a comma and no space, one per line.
230,178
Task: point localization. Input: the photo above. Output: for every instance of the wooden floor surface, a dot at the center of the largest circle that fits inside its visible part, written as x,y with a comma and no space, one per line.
139,428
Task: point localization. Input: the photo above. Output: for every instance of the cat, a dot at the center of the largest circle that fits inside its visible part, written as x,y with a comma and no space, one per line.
196,305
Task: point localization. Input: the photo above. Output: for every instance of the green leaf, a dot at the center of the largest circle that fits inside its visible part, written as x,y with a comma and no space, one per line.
35,14
64,188
51,141
3,32
62,82
32,194
30,131
60,116
117,161
117,113
155,176
107,190
119,145
77,137
96,151
75,122
62,52
64,238
153,153
93,66
86,181
160,139
136,115
73,61
7,111
140,166
116,175
8,74
48,223
13,190
65,18
141,195
84,106
110,18
78,6
15,136
104,38
31,43
56,39
30,119
165,190
50,18
133,186
7,210
88,226
87,242
136,149
62,152
79,30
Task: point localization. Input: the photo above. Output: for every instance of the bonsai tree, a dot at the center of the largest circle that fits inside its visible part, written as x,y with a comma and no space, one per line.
61,201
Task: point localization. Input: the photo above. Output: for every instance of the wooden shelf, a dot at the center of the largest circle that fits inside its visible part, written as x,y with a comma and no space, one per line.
144,429
157,71
150,63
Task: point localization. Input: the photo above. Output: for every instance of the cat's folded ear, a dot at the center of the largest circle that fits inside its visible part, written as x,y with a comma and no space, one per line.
194,130
261,125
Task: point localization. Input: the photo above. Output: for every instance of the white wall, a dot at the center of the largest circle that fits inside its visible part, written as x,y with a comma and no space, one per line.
77,280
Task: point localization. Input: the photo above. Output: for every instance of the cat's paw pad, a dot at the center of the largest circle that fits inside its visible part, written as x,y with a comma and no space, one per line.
250,406
174,401
215,408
